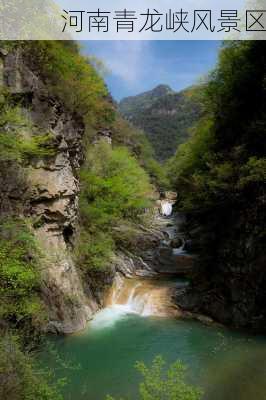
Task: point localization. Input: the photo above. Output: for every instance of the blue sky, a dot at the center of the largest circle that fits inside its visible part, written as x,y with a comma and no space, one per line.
136,66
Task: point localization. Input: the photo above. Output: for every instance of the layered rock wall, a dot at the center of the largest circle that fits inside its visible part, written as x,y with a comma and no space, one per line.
48,192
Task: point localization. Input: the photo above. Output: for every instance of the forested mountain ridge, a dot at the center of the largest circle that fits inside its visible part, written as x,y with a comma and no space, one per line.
164,115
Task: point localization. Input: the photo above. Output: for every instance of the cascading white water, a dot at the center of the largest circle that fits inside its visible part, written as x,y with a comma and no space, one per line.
138,296
166,208
131,296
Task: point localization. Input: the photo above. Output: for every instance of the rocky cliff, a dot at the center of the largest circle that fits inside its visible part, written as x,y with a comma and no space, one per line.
229,281
47,191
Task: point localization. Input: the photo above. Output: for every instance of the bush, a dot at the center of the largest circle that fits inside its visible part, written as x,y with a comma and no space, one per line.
19,275
114,188
94,249
226,152
159,384
72,78
14,147
20,378
125,134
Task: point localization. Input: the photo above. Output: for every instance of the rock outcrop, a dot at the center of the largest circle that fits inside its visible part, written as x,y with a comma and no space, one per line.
228,284
49,193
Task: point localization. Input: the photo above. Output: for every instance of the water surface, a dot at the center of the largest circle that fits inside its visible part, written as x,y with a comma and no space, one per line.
225,363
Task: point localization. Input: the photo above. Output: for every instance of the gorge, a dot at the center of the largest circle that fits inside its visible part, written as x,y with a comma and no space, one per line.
108,257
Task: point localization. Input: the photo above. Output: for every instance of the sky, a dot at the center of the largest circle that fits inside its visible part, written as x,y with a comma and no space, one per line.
133,67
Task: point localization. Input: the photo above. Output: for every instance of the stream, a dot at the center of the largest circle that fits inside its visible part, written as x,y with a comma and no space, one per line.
139,322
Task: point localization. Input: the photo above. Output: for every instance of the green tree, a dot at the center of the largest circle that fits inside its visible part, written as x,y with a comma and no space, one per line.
19,275
161,384
21,378
226,151
114,188
220,177
72,78
127,135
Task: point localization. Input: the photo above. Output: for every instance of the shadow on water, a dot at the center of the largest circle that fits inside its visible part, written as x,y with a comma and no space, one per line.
240,375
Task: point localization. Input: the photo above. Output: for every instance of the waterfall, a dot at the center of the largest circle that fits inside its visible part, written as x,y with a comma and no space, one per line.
166,208
143,297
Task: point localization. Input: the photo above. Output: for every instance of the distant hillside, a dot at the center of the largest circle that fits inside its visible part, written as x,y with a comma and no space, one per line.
165,116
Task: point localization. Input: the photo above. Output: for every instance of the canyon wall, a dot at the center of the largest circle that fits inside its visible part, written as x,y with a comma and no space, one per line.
47,190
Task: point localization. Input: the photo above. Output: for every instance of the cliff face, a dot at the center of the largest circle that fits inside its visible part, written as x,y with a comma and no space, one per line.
47,190
229,284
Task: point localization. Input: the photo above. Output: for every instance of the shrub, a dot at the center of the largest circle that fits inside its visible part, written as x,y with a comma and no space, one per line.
72,78
125,134
159,384
14,147
114,188
19,274
20,378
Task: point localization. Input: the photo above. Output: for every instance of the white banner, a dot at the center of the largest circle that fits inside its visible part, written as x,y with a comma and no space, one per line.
132,20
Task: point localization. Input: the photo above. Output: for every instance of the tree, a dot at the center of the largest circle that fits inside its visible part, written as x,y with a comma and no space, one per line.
20,378
159,384
114,189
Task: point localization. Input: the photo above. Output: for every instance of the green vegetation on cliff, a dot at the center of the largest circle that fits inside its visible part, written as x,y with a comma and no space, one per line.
220,177
126,134
19,277
114,188
72,78
14,145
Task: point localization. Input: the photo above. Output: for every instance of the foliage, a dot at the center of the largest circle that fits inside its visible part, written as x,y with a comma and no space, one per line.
191,156
159,384
37,146
72,78
253,172
220,175
14,146
226,151
165,116
113,188
94,249
125,134
19,274
21,378
114,181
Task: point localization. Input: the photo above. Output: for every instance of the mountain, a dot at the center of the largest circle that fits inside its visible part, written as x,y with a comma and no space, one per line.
165,116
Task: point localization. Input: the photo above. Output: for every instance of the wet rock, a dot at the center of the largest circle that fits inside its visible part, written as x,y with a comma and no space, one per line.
131,265
176,243
171,263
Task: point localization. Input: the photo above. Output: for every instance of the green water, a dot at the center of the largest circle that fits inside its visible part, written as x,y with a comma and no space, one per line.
228,365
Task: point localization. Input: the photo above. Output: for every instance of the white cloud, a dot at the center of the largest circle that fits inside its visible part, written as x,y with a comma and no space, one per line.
126,59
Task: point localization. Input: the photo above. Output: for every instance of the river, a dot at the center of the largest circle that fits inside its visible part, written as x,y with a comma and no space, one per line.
140,322
125,333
